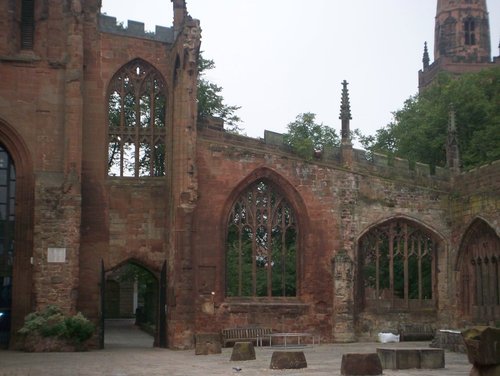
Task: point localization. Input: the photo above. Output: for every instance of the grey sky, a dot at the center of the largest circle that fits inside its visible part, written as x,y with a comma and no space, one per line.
279,58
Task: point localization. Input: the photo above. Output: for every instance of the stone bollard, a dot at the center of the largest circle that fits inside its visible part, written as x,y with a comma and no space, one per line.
483,350
288,360
207,344
360,365
243,351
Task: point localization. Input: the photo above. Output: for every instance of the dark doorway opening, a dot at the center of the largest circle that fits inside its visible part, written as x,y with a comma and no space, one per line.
130,306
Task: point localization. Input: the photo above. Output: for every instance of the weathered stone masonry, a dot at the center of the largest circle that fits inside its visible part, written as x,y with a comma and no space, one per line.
54,124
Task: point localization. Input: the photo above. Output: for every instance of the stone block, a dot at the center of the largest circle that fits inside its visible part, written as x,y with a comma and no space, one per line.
482,345
207,344
288,360
360,365
243,351
406,358
431,358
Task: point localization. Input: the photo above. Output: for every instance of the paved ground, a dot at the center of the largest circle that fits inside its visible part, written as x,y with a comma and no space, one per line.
129,352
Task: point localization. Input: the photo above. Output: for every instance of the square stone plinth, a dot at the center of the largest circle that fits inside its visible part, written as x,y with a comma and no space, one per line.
401,358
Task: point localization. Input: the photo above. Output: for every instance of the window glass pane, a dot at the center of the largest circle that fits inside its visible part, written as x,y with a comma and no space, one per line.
159,163
145,105
115,109
160,103
114,158
144,159
129,159
129,108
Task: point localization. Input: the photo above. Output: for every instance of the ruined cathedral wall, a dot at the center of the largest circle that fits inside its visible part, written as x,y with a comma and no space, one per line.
339,206
474,196
122,219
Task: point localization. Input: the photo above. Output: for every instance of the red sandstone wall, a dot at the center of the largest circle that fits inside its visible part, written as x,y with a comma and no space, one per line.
339,207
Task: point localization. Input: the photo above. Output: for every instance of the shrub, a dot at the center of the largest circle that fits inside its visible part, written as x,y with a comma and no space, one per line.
51,322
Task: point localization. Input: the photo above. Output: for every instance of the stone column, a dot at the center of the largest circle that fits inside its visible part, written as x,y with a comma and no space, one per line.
343,307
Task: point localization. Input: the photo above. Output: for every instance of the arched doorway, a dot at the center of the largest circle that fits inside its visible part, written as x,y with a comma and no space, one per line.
131,314
7,229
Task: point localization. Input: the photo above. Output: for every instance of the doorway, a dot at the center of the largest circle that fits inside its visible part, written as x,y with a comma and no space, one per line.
130,306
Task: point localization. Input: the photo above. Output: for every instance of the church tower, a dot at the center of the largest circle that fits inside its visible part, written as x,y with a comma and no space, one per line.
461,40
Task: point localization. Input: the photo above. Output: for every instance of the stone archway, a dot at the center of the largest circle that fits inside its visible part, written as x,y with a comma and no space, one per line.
131,306
479,270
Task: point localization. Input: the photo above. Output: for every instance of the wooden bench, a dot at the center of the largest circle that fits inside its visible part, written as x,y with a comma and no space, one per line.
416,332
254,334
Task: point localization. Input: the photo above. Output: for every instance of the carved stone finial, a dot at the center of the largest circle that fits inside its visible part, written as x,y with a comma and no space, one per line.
426,60
345,114
345,107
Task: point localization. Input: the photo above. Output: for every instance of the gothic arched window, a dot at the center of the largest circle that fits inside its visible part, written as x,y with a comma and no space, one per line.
7,222
470,31
261,256
396,263
480,272
136,121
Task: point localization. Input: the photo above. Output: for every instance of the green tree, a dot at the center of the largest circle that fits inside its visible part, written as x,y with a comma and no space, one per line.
305,136
211,101
419,129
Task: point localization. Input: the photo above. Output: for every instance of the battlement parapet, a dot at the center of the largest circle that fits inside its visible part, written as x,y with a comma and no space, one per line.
108,24
479,179
363,161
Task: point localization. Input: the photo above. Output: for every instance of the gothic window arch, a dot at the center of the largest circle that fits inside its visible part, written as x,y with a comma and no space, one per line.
469,31
397,267
27,24
137,106
261,244
480,272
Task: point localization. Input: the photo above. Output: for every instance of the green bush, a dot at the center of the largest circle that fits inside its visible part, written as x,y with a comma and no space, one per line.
51,322
78,328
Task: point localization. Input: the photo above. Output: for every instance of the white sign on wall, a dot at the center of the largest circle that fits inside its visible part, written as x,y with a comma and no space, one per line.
56,254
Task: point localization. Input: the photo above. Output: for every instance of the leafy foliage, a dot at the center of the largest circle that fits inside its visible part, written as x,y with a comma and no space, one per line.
305,136
51,322
419,129
210,100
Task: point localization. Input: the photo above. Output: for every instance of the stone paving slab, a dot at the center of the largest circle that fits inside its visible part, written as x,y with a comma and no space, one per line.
124,361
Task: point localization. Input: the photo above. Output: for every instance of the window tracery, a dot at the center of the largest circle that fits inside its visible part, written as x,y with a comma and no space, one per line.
480,272
261,256
136,122
396,266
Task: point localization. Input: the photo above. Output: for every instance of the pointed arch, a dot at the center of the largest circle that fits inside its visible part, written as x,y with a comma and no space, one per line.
264,221
397,265
18,152
478,266
137,121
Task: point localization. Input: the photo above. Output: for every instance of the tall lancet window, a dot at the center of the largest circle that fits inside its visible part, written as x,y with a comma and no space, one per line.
470,32
136,121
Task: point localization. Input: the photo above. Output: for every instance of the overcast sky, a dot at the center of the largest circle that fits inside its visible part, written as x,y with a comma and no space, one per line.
279,58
